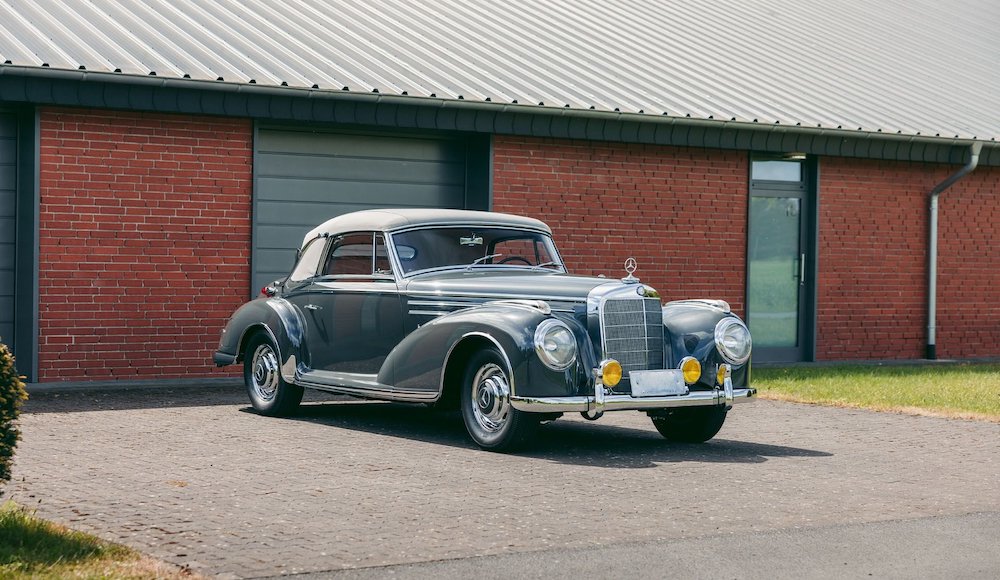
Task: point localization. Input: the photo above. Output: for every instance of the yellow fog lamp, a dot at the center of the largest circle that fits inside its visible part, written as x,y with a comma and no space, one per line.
725,371
610,372
691,369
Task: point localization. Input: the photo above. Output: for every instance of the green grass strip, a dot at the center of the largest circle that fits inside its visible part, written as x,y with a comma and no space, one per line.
951,390
34,548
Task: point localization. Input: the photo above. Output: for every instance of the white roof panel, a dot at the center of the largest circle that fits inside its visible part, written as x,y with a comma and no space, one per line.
894,66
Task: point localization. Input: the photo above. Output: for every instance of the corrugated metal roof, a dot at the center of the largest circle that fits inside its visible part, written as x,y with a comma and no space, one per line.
895,66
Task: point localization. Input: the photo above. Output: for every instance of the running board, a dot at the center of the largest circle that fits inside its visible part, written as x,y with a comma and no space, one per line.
360,385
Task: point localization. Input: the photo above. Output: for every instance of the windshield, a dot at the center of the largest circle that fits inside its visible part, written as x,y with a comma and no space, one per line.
471,248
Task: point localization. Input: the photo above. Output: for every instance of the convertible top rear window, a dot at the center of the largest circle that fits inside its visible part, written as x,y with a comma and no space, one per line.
449,247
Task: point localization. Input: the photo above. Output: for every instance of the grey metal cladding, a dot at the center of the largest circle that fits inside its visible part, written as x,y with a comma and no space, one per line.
305,177
8,200
906,67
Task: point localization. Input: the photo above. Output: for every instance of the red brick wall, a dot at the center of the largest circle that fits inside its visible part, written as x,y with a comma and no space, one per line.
681,212
968,319
872,297
684,210
145,242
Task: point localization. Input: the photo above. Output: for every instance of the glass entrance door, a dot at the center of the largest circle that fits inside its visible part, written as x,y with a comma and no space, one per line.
778,310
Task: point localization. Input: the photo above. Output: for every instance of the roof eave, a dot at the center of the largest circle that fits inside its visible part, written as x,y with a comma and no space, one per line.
757,136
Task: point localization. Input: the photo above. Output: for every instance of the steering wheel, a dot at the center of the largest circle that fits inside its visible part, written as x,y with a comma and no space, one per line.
514,259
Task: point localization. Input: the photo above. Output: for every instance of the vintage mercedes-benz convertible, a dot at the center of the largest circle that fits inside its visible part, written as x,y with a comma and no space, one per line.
475,310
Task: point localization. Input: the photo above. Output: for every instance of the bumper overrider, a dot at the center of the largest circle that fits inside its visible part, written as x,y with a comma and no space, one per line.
596,404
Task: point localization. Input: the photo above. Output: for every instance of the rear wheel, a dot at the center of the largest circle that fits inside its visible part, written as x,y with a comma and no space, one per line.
489,417
269,393
689,425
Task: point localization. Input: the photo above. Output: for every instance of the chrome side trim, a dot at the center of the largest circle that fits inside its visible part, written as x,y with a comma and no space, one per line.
430,312
442,303
523,296
536,305
629,403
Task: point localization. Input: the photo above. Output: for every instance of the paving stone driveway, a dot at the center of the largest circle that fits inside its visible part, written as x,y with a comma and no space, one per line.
191,476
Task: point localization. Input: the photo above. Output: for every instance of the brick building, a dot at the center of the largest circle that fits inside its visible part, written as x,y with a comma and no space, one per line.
158,164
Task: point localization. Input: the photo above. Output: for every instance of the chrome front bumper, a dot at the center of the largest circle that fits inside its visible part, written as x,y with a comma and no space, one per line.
601,402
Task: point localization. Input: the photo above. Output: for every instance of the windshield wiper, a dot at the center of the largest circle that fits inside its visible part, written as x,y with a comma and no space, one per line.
544,264
478,261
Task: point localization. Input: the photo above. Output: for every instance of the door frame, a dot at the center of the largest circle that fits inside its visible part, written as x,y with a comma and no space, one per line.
807,190
26,239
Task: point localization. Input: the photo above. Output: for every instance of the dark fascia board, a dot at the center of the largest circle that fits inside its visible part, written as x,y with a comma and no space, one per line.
42,86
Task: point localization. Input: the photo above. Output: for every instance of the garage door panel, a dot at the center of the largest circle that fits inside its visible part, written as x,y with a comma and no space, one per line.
354,169
280,236
302,178
6,204
401,194
8,176
7,231
8,149
6,258
348,145
280,260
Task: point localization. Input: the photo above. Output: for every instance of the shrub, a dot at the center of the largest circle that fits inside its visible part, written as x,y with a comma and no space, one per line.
12,393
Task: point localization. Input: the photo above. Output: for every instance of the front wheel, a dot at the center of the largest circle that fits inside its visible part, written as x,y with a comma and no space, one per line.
269,393
689,425
489,417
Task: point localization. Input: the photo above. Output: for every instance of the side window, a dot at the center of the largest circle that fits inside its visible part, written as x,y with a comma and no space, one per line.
382,266
308,261
350,255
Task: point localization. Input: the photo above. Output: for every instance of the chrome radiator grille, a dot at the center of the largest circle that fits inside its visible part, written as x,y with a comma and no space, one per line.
632,333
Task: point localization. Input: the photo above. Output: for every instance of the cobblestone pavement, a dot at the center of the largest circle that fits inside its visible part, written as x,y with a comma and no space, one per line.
193,477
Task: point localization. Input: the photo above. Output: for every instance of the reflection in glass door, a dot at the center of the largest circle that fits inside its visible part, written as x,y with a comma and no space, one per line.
777,252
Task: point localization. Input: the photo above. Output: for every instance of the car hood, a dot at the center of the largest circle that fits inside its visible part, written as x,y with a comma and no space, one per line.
506,285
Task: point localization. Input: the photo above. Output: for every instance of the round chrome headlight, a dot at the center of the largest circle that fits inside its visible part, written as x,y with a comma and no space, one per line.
732,338
555,344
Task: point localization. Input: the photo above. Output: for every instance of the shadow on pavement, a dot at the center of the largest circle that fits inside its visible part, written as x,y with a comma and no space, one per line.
564,441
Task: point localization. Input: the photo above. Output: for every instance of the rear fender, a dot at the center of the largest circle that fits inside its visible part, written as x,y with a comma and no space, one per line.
279,320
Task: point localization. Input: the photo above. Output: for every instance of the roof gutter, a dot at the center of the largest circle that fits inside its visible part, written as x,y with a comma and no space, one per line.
935,193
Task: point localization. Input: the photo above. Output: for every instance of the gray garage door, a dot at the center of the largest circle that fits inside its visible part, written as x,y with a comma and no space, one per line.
8,187
304,177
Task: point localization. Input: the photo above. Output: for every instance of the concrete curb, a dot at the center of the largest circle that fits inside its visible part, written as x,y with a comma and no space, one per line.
126,385
877,363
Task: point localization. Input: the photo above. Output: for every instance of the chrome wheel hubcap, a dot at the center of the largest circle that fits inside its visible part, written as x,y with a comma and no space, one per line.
264,372
491,398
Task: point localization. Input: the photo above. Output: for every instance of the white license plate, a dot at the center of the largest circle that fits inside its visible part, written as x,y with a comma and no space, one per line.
657,383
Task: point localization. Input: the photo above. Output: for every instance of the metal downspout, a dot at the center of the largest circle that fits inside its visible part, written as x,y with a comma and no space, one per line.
974,149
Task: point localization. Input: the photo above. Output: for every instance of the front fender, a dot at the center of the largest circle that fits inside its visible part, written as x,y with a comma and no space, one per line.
690,331
274,316
418,363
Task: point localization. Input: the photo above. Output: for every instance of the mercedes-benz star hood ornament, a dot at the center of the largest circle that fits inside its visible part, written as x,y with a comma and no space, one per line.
630,267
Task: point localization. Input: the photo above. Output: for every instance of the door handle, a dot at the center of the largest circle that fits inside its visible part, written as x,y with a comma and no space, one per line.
802,269
313,307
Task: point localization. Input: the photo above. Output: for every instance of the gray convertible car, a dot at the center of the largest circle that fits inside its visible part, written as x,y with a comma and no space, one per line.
475,311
